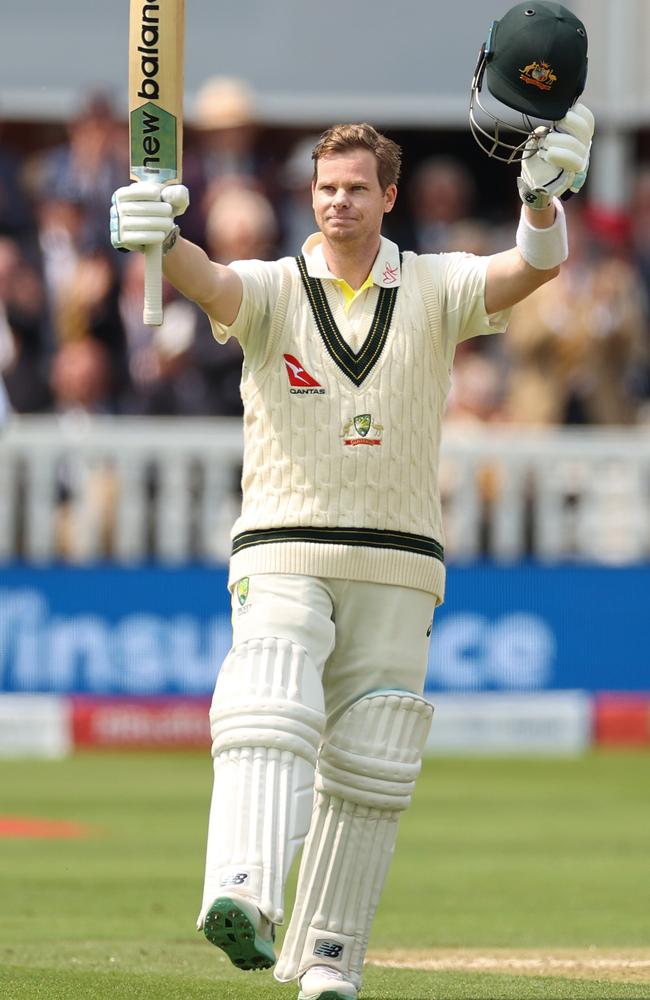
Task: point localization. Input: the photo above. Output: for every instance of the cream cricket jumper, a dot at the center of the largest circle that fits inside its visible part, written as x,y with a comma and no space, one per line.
343,413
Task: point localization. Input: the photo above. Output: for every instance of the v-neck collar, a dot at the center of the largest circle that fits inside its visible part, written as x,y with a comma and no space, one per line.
357,365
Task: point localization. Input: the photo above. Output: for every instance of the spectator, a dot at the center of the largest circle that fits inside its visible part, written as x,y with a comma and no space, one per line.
80,377
60,222
241,225
90,307
23,355
640,243
441,193
88,167
228,135
575,347
296,212
640,221
475,400
15,211
470,236
225,116
87,491
477,390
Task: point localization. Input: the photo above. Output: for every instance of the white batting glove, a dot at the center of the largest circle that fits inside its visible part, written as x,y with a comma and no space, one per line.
559,159
142,215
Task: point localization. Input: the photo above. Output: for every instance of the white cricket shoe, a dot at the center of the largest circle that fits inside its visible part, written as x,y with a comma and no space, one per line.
320,982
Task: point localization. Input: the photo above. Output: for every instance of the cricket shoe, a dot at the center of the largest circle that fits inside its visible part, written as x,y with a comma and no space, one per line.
320,982
235,925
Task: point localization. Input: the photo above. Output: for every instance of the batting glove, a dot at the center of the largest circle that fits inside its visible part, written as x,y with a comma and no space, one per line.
556,160
143,213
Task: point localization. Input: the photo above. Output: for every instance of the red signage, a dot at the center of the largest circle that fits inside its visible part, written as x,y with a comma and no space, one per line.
146,723
622,719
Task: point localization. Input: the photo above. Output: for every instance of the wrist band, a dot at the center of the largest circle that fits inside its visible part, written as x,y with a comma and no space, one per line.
543,249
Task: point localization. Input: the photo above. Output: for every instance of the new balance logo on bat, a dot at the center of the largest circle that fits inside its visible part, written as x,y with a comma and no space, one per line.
301,383
149,52
150,140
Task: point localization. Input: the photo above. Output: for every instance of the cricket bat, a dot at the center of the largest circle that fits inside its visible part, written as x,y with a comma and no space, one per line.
156,46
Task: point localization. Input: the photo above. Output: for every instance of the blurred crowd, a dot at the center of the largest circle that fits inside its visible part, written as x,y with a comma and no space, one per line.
71,331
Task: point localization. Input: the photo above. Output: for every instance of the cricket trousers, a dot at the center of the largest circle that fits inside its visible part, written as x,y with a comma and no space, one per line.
360,636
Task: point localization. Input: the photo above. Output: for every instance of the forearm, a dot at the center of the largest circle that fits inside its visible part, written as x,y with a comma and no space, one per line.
214,287
541,248
189,270
510,279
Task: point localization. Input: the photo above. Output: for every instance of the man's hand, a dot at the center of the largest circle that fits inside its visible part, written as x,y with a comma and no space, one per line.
556,160
142,215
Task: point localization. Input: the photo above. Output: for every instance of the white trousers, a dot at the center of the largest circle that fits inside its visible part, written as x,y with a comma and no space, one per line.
361,636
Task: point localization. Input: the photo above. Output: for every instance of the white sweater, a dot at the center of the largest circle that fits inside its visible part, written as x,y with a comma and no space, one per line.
342,424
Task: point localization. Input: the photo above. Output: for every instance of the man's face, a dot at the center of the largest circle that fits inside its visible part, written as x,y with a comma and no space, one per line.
349,204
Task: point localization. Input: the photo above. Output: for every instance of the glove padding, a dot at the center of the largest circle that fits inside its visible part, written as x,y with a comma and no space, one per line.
142,214
556,160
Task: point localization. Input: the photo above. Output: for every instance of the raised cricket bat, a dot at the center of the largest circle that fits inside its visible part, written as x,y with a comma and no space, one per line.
156,44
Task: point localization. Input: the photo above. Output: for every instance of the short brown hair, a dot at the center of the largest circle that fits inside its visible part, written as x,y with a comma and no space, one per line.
341,138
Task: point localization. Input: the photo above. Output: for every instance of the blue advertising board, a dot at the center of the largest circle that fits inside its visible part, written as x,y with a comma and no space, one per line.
532,627
159,631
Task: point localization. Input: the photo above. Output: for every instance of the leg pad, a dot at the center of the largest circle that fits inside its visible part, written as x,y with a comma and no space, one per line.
266,718
365,777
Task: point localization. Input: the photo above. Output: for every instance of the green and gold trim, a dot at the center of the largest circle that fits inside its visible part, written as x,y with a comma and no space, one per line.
402,541
355,365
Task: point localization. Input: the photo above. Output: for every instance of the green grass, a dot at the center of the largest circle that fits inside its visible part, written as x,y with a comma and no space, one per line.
493,854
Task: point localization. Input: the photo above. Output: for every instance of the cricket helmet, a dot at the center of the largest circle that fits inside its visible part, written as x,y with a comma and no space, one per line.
534,62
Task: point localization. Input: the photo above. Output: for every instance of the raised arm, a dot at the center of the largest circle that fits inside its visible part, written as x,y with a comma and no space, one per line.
557,161
143,214
215,288
510,278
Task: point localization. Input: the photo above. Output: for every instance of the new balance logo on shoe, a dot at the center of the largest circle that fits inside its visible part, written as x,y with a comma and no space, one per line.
328,949
301,383
235,878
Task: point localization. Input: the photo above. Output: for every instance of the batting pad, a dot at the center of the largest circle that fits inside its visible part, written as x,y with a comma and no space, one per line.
364,779
266,718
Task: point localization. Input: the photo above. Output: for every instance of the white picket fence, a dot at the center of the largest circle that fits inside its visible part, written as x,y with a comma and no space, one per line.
82,489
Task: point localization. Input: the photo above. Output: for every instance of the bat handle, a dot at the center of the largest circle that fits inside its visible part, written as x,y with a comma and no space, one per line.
152,314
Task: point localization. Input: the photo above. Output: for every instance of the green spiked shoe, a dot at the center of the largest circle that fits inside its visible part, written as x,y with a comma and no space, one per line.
235,925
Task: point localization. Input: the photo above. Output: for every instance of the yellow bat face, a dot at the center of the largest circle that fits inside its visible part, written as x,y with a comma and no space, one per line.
156,89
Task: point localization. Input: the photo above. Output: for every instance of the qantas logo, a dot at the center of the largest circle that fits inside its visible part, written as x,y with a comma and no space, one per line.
301,383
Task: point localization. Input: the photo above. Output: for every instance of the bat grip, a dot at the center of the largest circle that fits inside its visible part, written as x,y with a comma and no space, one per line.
152,314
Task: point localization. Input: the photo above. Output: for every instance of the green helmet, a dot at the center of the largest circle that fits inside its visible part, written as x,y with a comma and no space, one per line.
534,62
